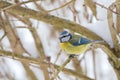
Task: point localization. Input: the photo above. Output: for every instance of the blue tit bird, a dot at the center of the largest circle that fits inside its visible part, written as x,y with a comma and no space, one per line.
74,44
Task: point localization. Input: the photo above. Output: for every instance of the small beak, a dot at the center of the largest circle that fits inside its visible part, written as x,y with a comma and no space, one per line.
60,40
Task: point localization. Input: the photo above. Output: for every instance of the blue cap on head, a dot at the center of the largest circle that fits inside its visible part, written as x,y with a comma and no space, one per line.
65,36
64,32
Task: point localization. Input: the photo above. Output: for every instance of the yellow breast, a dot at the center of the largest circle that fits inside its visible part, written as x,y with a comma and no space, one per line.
70,49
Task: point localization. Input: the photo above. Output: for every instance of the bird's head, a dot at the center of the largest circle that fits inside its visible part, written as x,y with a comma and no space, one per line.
65,36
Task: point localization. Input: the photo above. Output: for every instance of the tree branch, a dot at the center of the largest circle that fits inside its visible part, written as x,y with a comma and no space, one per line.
113,31
113,59
58,23
37,61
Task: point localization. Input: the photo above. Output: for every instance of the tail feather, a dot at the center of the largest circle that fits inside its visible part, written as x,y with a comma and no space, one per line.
97,41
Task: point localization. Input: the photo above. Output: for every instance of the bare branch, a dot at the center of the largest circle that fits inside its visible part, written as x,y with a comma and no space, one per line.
112,57
112,30
14,40
92,6
61,6
109,9
37,61
57,22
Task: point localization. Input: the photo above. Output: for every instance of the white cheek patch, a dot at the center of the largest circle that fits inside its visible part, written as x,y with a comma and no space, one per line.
64,34
65,39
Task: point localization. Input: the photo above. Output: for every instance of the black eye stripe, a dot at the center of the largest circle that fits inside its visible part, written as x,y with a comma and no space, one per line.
65,36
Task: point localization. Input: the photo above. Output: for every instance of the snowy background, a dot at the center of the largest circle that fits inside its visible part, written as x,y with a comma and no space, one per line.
104,70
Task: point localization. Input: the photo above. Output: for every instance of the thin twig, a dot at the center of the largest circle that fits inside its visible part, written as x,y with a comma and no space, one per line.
2,37
17,4
61,6
58,55
94,63
107,8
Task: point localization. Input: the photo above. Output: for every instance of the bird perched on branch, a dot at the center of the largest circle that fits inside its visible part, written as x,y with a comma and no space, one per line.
74,44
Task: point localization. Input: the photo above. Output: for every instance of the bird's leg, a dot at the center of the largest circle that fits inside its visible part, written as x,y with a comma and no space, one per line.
72,55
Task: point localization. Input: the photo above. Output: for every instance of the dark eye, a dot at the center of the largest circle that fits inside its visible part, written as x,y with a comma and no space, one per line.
64,36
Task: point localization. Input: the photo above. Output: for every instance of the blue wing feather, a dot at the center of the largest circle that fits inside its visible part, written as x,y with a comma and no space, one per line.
84,40
78,40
